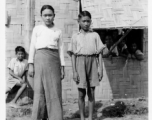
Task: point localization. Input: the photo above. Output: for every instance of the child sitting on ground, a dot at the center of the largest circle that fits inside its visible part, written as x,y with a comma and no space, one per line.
17,71
136,53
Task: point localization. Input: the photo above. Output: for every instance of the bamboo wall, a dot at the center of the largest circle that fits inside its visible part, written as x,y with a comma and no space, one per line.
117,13
66,12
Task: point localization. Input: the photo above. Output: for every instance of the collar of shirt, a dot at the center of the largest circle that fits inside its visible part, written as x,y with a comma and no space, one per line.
53,27
90,30
19,61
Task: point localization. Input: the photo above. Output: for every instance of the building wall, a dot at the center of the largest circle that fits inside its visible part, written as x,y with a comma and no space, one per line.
120,80
117,13
15,31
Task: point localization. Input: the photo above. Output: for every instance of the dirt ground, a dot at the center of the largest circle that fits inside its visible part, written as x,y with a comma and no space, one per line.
137,109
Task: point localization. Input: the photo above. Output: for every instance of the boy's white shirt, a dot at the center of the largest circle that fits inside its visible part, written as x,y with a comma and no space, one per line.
18,67
85,44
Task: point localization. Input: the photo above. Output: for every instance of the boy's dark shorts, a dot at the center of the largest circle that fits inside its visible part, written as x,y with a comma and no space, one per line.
87,69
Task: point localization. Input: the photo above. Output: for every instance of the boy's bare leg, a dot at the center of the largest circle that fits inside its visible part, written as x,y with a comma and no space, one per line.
82,94
19,92
91,101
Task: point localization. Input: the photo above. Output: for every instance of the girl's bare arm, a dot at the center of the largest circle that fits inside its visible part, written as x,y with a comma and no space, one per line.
73,58
62,72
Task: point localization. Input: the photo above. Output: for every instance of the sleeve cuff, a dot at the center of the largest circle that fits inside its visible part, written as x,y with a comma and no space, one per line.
100,50
62,63
30,61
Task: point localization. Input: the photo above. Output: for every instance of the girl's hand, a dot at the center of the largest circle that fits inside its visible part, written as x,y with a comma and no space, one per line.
62,73
31,70
76,77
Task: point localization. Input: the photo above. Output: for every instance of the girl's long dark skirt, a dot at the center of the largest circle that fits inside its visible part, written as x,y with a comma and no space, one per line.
47,85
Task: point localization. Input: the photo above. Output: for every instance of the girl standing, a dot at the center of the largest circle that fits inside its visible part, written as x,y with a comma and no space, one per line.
46,64
17,74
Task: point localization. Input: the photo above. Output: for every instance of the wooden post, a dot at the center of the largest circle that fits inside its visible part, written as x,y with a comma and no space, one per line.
28,27
29,22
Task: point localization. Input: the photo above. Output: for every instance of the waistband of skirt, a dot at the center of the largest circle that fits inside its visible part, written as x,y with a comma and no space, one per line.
50,49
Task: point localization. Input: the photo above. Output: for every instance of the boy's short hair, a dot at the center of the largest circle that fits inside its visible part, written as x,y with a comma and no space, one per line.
19,48
84,13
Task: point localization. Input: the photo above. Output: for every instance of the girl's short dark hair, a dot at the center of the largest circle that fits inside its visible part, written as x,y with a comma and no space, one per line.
47,7
84,13
20,48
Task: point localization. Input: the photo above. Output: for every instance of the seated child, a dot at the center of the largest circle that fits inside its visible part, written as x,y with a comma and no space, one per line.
17,71
108,45
123,50
136,53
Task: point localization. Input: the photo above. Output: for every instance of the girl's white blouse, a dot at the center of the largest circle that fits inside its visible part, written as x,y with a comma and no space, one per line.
44,37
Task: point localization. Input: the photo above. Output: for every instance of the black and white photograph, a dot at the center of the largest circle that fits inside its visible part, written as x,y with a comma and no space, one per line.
76,60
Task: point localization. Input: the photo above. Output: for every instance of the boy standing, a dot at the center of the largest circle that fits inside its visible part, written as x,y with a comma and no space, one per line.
85,50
